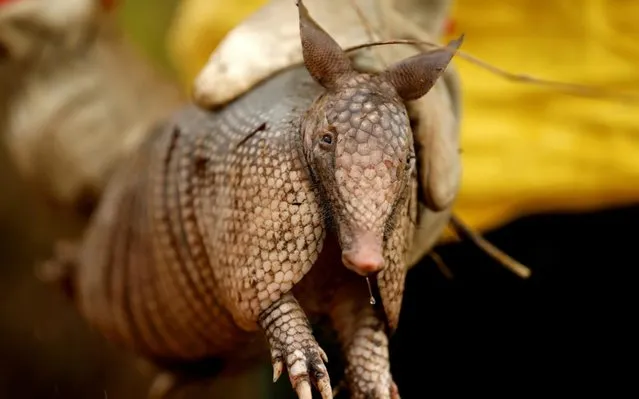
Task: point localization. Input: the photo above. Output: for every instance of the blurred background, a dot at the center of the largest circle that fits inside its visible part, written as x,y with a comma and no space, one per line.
549,177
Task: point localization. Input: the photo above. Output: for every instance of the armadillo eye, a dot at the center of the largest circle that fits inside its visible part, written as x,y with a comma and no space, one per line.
327,138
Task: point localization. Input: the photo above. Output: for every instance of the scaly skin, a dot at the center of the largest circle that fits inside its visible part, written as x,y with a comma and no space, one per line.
207,235
200,234
207,229
235,224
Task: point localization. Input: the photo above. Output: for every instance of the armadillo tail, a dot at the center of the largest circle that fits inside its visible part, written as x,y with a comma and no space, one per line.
60,269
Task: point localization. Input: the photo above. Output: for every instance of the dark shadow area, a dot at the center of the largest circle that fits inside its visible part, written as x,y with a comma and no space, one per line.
487,331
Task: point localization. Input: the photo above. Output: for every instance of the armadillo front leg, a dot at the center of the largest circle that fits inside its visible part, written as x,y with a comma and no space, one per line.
364,345
292,343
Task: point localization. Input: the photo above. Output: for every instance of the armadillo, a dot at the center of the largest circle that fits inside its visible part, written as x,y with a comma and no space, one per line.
241,224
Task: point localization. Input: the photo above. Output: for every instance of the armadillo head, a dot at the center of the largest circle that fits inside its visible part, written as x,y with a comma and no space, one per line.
358,141
360,149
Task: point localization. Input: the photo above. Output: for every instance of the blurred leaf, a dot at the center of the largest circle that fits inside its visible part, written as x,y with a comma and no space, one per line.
147,22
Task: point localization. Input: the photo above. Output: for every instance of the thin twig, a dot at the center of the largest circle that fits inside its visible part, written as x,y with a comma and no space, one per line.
370,32
463,231
443,268
583,90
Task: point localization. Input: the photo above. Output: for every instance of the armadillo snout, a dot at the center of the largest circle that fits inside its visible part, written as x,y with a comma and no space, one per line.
363,262
365,255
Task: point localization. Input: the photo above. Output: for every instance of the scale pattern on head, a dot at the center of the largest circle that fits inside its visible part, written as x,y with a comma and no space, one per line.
358,141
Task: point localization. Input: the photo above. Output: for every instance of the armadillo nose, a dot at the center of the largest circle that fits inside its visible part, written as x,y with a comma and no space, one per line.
364,259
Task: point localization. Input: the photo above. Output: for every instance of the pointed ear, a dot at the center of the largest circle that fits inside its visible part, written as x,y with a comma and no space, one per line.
415,76
323,57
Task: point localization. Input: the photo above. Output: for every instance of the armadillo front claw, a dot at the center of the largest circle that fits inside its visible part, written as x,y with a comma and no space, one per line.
305,365
292,345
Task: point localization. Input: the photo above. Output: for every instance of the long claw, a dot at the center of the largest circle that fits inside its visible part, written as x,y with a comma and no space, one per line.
278,366
323,355
324,386
303,390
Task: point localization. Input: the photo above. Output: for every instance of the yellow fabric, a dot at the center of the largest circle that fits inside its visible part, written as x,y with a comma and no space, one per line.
198,27
526,148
